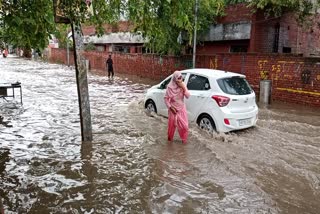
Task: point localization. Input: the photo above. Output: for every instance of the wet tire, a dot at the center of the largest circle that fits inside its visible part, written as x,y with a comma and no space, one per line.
151,106
206,123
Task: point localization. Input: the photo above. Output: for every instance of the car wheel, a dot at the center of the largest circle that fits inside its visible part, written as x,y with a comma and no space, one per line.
150,106
205,122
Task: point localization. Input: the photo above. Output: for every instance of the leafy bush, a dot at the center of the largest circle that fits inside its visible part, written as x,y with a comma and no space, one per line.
89,47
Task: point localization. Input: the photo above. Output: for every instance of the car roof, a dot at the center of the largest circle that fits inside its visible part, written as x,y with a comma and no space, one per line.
212,72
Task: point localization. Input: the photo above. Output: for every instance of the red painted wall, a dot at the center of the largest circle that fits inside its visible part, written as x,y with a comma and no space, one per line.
147,65
285,71
236,13
59,55
209,48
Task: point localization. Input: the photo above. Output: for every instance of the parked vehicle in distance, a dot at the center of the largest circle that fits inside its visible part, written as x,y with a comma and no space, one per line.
219,100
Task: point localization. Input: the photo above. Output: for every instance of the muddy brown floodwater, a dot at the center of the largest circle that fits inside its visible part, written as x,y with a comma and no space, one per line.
130,167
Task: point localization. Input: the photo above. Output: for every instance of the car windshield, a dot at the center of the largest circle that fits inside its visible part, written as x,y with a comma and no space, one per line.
234,86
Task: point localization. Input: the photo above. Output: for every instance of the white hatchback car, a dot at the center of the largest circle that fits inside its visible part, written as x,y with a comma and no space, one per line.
219,100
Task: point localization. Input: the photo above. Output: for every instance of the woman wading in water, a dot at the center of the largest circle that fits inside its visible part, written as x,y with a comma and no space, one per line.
177,112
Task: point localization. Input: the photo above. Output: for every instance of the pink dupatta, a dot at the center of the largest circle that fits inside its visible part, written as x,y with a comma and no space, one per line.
174,94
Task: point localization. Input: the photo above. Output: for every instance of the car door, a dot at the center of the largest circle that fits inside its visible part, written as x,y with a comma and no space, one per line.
198,87
161,106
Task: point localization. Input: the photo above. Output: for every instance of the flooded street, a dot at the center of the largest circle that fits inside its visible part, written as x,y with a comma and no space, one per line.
130,168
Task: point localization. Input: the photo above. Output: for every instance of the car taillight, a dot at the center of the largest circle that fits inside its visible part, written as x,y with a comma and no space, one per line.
226,121
221,100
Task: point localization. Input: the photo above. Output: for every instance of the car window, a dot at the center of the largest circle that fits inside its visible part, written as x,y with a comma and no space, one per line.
183,76
197,82
166,82
235,86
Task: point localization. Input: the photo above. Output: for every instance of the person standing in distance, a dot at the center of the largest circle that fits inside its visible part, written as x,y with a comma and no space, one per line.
109,65
5,53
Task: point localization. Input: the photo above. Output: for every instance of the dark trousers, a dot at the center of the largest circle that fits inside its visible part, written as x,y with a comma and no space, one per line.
110,71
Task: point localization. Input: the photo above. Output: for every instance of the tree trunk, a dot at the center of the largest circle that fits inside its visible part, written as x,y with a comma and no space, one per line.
27,53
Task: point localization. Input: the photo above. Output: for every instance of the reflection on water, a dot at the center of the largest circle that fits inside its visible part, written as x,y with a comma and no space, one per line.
130,167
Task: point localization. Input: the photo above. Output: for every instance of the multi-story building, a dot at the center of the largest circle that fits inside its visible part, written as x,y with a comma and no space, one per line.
243,30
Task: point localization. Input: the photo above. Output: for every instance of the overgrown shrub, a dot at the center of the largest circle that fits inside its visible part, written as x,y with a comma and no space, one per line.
89,47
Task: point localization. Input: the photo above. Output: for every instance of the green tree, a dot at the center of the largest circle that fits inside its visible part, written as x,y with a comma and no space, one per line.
301,8
159,21
61,33
29,23
235,1
162,21
25,23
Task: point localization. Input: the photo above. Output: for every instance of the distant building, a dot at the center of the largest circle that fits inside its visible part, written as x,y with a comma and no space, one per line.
53,42
241,30
116,39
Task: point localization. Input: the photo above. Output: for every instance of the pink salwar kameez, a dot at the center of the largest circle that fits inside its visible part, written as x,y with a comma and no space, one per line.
174,98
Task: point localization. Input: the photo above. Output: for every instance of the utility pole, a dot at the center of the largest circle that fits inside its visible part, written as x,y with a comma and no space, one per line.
195,35
82,84
81,73
68,57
